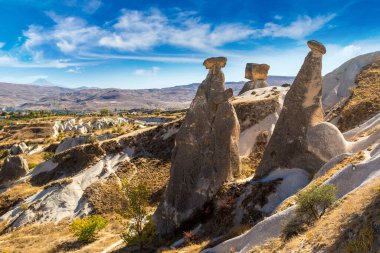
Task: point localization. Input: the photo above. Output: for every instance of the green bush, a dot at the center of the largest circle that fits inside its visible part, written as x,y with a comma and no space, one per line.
314,202
48,155
86,229
104,112
311,205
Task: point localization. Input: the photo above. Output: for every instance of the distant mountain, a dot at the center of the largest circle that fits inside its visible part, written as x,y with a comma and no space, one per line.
43,82
37,97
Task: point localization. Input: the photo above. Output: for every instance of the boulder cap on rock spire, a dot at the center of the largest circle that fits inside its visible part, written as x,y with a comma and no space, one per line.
220,61
316,46
255,71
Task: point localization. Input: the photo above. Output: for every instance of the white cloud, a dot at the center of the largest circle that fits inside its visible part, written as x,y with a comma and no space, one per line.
151,58
92,6
298,29
74,70
10,61
278,17
68,34
2,44
137,30
143,72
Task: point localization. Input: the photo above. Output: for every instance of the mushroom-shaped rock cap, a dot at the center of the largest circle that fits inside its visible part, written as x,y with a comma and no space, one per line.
209,63
316,46
254,71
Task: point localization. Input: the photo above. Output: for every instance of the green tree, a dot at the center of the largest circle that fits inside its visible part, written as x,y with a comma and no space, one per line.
311,205
104,112
140,229
315,201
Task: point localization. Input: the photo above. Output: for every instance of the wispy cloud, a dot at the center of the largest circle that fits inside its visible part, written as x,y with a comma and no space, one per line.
88,6
143,72
298,29
2,44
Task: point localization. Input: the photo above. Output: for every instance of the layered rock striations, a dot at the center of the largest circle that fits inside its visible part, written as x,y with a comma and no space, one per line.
205,153
302,109
257,74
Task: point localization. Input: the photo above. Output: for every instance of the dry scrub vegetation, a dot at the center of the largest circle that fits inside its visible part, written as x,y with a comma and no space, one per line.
351,225
352,159
364,102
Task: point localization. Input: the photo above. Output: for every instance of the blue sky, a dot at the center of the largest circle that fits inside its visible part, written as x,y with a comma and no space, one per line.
152,44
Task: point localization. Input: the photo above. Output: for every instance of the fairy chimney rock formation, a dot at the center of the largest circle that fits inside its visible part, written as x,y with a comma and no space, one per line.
257,74
302,109
205,153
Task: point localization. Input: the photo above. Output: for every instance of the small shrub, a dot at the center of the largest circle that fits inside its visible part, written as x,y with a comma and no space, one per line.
48,155
141,229
24,206
104,112
32,165
86,229
61,136
311,205
314,202
92,139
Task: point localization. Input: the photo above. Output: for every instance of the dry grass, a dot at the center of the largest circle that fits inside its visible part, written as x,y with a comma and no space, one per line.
364,102
50,237
249,164
193,248
346,222
15,194
353,159
34,159
366,133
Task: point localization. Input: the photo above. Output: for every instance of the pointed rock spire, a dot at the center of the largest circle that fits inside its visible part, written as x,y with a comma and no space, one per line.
205,153
302,109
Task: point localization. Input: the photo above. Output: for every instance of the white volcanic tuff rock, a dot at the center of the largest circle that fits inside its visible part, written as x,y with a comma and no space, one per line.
71,142
262,231
66,200
371,123
337,84
291,181
259,113
326,141
84,127
346,180
58,202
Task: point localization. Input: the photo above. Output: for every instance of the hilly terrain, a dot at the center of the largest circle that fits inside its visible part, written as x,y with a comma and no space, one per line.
42,97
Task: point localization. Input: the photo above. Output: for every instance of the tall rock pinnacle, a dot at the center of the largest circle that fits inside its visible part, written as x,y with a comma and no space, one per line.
302,109
205,153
